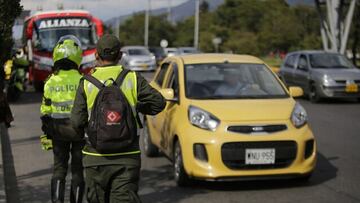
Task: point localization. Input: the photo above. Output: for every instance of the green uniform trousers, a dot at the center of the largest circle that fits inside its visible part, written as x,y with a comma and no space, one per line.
116,183
62,150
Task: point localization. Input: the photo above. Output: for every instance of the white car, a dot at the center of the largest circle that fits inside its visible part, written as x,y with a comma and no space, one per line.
137,58
171,51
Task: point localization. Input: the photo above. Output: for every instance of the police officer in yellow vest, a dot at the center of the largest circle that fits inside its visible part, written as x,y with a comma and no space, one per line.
58,99
113,177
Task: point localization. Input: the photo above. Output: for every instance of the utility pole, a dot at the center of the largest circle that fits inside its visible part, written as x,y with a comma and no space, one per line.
169,12
146,34
196,29
335,26
117,27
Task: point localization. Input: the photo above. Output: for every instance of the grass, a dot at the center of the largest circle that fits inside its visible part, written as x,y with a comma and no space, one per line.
273,62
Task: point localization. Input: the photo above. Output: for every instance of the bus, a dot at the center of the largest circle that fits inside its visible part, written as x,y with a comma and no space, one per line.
43,29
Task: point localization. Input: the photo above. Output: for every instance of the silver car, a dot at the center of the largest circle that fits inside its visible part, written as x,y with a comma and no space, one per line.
137,58
321,74
188,50
171,51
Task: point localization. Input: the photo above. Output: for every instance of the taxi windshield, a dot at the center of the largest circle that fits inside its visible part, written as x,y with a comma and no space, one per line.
231,81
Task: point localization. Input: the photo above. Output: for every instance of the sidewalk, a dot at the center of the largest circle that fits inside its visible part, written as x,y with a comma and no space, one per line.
3,132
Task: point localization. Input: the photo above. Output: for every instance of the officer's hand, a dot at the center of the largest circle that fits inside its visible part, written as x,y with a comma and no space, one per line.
46,143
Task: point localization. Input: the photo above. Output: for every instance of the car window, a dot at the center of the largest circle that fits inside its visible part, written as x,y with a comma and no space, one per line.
290,61
328,60
138,52
173,81
231,81
161,75
303,64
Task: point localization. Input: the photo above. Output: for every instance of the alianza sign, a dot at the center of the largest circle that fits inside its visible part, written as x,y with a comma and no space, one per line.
63,22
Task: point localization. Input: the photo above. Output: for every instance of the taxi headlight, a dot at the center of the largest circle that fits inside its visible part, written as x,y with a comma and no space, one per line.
202,119
299,116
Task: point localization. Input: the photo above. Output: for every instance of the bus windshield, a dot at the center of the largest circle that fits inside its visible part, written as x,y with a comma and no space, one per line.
45,39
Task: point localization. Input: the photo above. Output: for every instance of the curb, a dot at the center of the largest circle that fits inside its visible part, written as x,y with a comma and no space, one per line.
3,132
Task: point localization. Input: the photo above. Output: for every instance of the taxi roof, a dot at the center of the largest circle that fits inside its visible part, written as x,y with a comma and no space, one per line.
218,58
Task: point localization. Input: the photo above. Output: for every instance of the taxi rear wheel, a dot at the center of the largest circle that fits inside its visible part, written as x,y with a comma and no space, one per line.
150,149
180,175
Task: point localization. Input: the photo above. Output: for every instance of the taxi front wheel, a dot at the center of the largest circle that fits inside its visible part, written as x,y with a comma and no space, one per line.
150,149
305,178
181,178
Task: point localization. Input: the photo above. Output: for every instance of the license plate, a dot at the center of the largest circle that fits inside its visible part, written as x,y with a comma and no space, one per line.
259,156
351,88
144,65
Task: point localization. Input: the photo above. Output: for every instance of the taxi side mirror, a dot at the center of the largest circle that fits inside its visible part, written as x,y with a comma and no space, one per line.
296,91
168,94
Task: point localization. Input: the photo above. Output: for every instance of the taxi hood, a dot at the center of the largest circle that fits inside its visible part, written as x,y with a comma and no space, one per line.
248,109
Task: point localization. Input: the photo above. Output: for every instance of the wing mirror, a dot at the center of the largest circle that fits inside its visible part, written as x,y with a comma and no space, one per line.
296,91
168,94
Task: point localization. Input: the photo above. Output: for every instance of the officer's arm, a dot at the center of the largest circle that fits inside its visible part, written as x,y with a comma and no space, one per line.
79,114
45,110
150,101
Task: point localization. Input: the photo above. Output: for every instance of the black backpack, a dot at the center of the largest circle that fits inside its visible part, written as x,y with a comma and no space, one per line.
112,125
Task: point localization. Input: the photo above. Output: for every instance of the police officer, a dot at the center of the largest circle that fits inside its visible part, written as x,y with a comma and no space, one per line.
113,177
59,94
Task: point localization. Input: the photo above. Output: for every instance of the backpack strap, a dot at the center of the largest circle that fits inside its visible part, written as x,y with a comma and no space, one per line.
119,80
94,81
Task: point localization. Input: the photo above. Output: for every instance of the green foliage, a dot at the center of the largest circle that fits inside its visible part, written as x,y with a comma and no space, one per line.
10,9
242,43
132,30
255,27
279,28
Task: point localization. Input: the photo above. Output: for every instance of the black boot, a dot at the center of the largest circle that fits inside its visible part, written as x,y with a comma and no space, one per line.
76,192
57,190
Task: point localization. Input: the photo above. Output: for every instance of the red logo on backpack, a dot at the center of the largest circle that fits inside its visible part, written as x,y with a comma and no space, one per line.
113,118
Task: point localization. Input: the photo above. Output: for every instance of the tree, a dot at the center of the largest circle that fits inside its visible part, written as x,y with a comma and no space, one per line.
10,9
204,6
132,30
279,28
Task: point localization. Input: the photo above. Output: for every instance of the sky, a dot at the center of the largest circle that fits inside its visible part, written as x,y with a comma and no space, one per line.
103,9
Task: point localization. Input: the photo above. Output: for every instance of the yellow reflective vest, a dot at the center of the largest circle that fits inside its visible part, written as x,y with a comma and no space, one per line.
59,94
128,87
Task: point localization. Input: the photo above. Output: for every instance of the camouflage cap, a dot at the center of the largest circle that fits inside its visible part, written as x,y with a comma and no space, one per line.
108,46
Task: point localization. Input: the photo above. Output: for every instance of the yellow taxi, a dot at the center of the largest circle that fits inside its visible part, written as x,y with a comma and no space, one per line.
228,117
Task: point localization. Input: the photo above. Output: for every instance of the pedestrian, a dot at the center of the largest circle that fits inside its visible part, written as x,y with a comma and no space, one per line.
6,116
113,177
59,95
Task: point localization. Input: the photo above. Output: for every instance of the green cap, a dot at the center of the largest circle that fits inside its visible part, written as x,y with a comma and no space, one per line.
108,46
